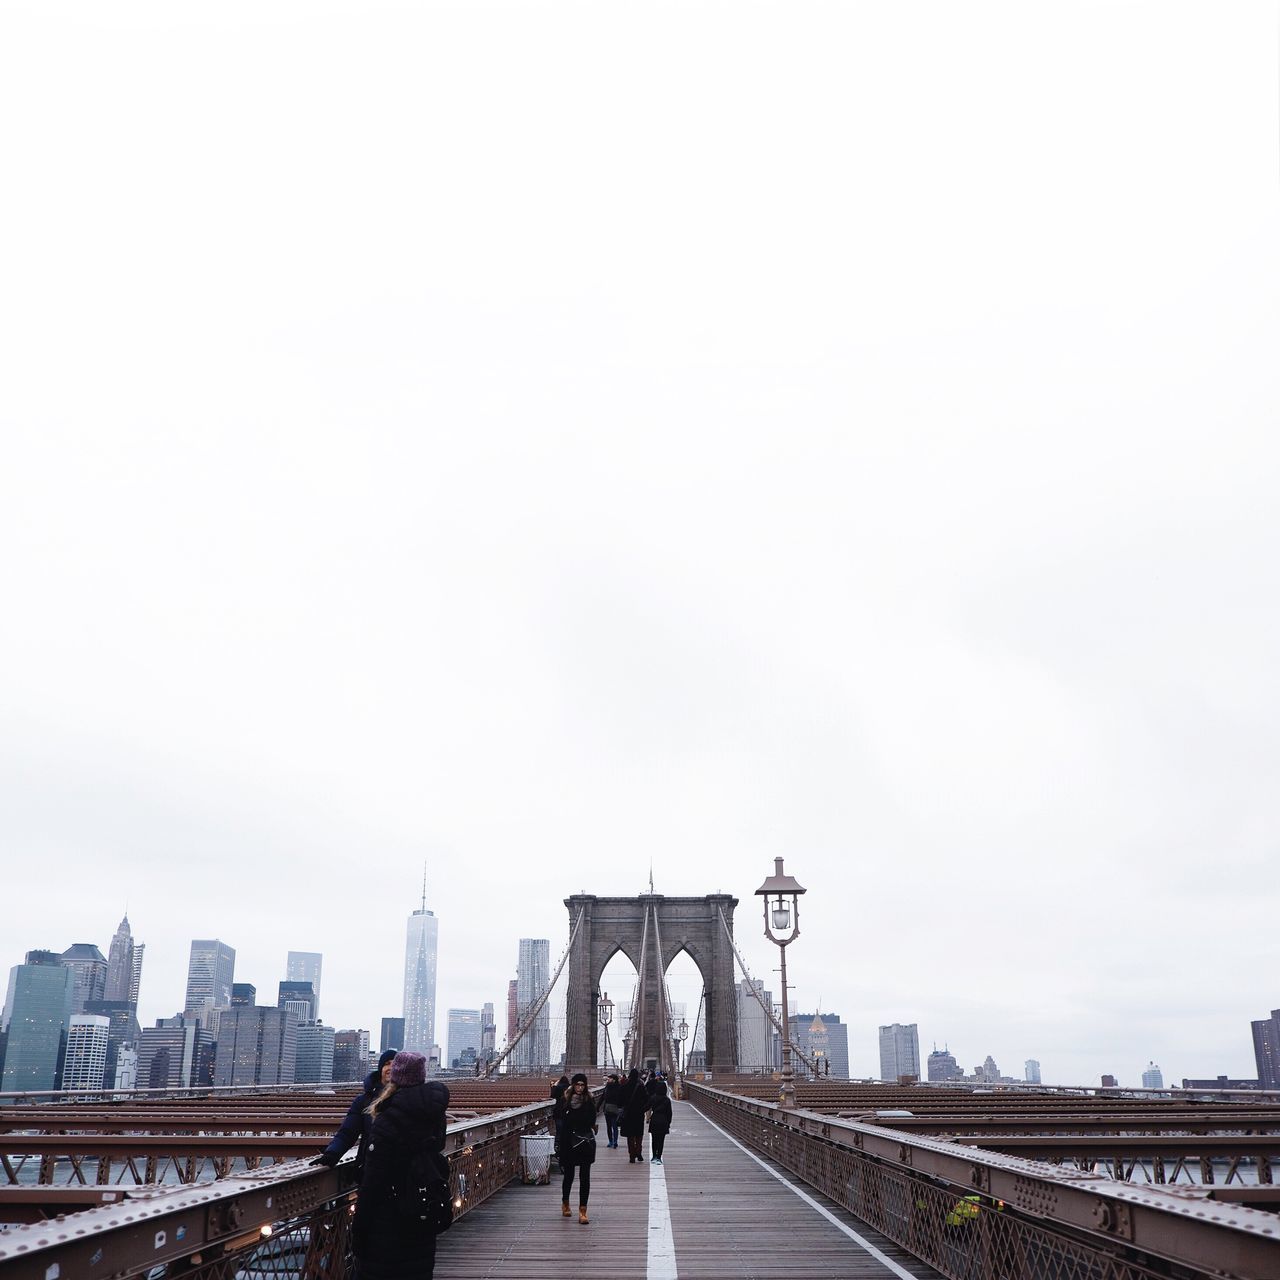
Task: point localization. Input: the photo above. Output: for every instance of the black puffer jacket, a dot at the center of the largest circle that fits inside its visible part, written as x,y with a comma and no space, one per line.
355,1128
387,1246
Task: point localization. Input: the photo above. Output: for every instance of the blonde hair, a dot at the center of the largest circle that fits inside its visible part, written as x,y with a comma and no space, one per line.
376,1105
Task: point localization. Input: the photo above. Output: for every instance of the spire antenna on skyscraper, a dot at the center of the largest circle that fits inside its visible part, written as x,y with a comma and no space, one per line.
424,884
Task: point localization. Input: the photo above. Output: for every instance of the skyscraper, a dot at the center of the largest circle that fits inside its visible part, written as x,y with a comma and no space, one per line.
899,1051
119,986
90,968
488,1033
1032,1071
85,1066
1266,1050
177,1053
1152,1077
392,1034
256,1045
313,1060
420,980
513,1010
824,1039
210,973
942,1065
755,1031
464,1033
533,1053
299,997
350,1055
37,1015
305,966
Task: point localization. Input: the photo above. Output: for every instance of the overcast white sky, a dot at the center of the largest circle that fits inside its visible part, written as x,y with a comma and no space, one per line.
547,439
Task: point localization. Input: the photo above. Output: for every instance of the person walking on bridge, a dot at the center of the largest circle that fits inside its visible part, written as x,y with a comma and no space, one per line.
612,1107
659,1120
409,1117
635,1102
576,1138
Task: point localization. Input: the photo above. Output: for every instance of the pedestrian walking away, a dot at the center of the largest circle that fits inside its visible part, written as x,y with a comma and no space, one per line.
613,1091
576,1143
408,1121
659,1121
635,1102
355,1128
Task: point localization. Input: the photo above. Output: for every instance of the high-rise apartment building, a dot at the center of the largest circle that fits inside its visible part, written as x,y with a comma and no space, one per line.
899,1051
513,1009
533,972
392,1036
90,968
210,974
350,1055
1266,1050
465,1029
1152,1077
177,1053
37,1014
300,998
305,966
85,1066
756,1035
420,981
256,1045
313,1061
942,1065
1032,1071
824,1039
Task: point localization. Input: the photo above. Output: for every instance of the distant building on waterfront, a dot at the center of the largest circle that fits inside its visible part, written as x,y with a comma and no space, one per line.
1109,1081
1031,1071
313,1055
305,966
90,968
899,1051
256,1045
85,1066
942,1065
533,972
124,966
756,1036
422,939
350,1055
1152,1077
177,1053
1220,1082
392,1035
465,1030
37,1015
824,1039
1266,1050
210,975
299,998
988,1072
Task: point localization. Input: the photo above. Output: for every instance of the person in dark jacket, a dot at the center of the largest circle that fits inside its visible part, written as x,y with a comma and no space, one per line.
612,1108
659,1120
409,1115
355,1128
635,1102
576,1143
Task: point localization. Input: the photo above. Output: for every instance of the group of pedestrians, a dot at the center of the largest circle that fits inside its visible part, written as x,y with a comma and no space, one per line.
398,1116
627,1103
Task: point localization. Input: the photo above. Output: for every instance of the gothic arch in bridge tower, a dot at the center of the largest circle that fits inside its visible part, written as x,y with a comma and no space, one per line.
651,930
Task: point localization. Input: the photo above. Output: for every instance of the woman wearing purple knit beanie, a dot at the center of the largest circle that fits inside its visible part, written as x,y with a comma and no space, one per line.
408,1117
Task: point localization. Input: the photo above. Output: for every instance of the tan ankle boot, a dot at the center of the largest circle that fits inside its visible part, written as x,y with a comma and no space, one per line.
582,1214
564,1208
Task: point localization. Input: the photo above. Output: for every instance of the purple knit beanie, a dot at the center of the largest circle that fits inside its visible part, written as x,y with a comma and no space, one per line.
408,1068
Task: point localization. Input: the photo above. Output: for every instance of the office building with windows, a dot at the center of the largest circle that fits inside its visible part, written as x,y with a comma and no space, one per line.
210,975
533,972
37,1015
421,941
899,1051
305,966
85,1065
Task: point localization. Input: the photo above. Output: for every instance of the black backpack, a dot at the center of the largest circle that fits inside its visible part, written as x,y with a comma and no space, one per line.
423,1195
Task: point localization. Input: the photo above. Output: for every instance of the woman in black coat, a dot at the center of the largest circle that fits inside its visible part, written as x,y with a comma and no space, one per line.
408,1117
635,1102
659,1120
576,1143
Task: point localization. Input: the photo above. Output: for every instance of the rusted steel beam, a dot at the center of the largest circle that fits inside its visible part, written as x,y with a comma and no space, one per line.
1098,1146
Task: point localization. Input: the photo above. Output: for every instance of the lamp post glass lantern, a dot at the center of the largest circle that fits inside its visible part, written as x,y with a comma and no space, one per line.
781,894
605,1008
683,1032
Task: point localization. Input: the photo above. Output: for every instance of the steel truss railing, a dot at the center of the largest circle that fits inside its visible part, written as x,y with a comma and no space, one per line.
975,1214
291,1219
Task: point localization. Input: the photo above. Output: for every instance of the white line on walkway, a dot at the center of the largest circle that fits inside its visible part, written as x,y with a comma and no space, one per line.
897,1270
662,1245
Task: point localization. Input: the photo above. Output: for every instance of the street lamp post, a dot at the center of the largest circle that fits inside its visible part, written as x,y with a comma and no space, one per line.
683,1031
606,1017
781,894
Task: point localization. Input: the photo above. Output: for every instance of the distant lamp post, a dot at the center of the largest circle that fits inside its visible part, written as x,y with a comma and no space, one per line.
606,1017
781,894
683,1032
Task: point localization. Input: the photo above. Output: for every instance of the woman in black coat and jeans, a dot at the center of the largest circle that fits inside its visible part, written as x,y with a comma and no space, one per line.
408,1117
576,1143
635,1102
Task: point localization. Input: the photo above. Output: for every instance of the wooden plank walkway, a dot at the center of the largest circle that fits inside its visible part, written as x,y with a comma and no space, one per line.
729,1217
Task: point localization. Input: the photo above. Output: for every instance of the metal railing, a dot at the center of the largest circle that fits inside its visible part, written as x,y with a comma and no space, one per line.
975,1214
291,1219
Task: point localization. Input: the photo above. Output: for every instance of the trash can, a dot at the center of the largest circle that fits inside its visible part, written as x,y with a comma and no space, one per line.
535,1158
